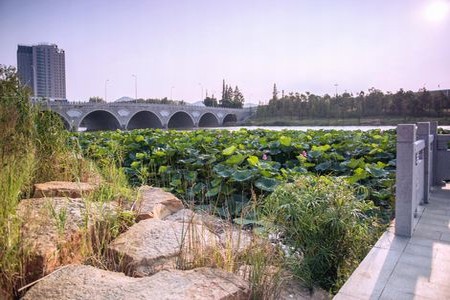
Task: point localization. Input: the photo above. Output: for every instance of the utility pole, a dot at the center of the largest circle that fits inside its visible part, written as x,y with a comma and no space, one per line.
106,90
135,88
201,95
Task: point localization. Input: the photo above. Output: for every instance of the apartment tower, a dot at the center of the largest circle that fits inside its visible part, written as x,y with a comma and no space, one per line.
42,68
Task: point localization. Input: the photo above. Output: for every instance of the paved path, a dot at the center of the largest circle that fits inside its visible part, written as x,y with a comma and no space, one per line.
408,268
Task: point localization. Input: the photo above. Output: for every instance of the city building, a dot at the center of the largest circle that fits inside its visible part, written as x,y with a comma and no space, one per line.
42,68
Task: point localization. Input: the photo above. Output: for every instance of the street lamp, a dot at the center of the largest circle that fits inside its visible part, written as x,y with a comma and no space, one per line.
336,87
106,90
135,87
171,93
201,87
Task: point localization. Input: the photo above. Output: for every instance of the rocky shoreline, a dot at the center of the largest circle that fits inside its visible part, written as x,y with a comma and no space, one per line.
155,258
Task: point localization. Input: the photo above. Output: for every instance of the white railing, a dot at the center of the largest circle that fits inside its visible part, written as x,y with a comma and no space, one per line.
140,104
442,159
415,146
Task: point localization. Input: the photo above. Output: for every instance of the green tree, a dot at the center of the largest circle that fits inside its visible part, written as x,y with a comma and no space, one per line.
438,103
398,106
224,90
210,101
275,92
238,98
228,96
96,99
424,101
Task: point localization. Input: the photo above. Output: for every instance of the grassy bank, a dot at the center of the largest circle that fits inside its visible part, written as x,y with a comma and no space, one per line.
375,121
33,149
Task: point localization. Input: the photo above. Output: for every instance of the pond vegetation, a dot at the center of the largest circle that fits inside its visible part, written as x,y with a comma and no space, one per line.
225,168
326,194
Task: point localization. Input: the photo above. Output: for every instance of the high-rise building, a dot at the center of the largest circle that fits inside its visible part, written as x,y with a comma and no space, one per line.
42,68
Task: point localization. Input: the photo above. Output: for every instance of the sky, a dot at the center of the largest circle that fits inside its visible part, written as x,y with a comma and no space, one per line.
181,49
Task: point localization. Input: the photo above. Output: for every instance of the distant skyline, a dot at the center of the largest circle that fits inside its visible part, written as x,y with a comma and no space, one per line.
184,48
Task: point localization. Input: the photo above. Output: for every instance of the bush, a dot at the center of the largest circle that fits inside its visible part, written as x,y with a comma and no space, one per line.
332,228
17,165
33,148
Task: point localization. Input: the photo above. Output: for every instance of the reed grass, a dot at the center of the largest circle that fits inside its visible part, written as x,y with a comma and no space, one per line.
34,148
257,262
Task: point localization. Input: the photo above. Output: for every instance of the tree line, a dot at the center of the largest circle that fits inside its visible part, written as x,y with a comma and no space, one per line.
373,103
232,98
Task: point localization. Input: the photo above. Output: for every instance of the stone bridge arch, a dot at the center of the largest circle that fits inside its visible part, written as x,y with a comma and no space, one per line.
230,119
144,119
180,120
109,116
99,119
208,119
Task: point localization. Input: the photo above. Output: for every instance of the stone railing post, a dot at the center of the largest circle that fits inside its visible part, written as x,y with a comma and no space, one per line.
423,133
433,131
405,195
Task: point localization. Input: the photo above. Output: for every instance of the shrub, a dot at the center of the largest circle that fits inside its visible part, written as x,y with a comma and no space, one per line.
17,164
322,218
33,148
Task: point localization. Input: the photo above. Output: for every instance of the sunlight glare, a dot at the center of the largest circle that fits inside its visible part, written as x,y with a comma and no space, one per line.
437,10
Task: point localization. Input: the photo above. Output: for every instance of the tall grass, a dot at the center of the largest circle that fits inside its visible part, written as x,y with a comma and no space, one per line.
240,252
17,165
33,148
322,218
108,213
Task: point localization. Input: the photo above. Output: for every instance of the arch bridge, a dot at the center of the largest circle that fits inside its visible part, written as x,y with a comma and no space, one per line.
128,116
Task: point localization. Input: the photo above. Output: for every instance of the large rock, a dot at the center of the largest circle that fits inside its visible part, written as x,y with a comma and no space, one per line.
186,215
52,231
152,245
63,189
231,237
86,282
156,203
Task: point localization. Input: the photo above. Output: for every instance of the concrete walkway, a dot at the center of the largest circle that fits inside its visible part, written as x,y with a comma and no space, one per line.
408,268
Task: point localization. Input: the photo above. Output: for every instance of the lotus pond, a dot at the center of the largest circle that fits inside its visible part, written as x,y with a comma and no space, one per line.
226,169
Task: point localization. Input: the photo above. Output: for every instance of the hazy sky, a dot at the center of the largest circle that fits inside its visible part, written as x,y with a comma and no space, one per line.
192,45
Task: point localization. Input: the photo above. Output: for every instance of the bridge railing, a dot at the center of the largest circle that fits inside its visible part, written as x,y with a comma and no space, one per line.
415,145
138,104
442,159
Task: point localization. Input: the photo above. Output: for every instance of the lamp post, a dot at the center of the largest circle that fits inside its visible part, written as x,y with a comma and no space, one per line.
201,89
171,93
336,87
106,90
135,88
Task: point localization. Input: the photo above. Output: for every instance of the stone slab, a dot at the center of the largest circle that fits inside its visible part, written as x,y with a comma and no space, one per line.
390,241
371,276
422,267
63,189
